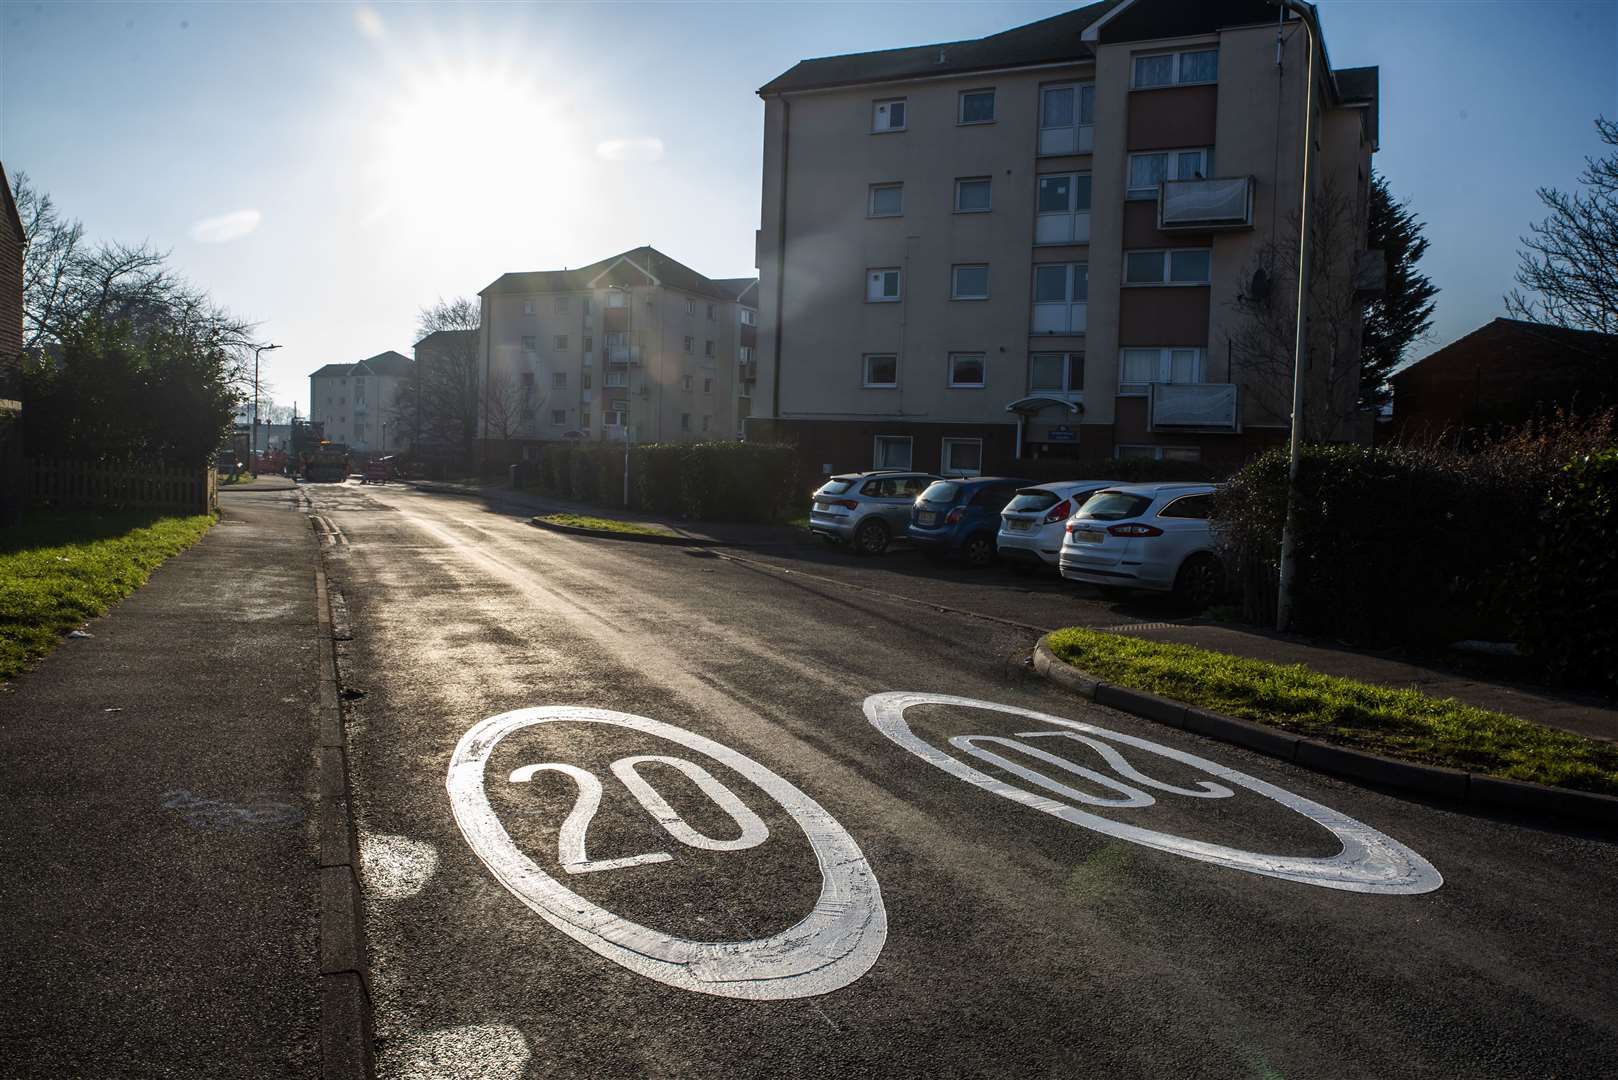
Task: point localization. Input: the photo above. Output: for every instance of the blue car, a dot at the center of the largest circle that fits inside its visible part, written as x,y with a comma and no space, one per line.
962,516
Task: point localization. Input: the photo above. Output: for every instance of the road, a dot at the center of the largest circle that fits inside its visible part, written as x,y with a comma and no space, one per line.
884,905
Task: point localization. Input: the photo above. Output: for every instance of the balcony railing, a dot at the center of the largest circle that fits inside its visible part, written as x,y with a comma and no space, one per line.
623,354
1208,407
1205,205
747,371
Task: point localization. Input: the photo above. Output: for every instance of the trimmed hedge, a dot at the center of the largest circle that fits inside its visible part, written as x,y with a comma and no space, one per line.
715,481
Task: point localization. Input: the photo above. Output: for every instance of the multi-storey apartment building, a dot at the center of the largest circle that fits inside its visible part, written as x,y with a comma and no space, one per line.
355,402
1044,243
635,341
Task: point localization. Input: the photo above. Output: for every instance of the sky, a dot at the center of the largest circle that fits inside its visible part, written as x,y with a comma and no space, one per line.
327,169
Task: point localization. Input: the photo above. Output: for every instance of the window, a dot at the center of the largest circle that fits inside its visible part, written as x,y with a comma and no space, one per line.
707,386
530,342
1190,266
707,421
617,299
976,107
1189,506
881,370
1063,209
961,457
615,379
685,421
886,200
1067,116
685,382
589,345
689,342
615,417
586,305
559,417
690,306
560,345
1146,171
1056,373
966,369
559,380
528,307
586,382
561,305
892,452
969,281
708,348
713,313
744,353
748,316
1167,69
888,115
882,286
1158,453
1139,367
972,195
527,382
1061,298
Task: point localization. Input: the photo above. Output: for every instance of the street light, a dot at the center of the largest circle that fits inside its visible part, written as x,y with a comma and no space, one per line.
252,447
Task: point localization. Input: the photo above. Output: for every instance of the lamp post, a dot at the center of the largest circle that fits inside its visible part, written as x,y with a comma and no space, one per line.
1289,545
252,446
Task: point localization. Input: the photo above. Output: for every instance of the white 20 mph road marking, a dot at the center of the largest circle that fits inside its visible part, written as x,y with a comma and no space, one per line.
1369,862
829,948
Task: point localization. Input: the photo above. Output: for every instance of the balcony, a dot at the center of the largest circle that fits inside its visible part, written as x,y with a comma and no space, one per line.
623,355
1205,205
1199,407
747,371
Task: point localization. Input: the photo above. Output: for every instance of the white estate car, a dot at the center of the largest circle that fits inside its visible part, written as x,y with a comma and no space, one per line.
1146,536
1032,524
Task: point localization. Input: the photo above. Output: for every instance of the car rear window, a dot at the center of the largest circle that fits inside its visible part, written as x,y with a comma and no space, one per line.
836,485
1191,506
1033,501
941,491
1115,506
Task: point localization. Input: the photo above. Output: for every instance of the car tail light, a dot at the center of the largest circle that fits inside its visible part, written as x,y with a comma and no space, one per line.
1135,530
953,517
846,504
1058,512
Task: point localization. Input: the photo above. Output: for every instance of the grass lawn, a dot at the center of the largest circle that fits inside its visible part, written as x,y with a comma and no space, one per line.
583,521
1395,723
59,569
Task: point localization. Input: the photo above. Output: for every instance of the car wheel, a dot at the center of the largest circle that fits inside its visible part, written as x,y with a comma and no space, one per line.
1200,582
871,538
978,551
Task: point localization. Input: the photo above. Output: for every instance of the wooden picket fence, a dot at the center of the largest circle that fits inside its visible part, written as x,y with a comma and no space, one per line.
83,484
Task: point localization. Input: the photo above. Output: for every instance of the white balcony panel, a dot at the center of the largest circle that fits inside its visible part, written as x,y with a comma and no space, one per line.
1199,406
1060,318
1062,228
1206,204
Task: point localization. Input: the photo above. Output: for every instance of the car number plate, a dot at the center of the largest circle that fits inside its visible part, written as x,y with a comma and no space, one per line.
1088,536
926,517
822,507
1018,524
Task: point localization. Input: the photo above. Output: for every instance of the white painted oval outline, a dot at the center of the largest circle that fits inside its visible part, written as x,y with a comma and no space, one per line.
836,943
1369,862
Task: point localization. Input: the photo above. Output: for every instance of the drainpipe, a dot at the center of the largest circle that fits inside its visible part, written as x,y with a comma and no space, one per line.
781,254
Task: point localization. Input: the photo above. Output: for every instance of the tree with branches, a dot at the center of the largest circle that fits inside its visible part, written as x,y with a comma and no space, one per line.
1567,272
439,408
1403,312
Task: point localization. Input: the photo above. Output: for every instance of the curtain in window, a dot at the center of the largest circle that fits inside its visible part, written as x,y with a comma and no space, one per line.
1046,371
1087,104
1140,367
1147,170
1189,166
1199,66
1154,70
1183,366
1057,107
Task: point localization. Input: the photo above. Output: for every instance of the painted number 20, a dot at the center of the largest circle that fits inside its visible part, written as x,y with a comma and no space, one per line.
570,843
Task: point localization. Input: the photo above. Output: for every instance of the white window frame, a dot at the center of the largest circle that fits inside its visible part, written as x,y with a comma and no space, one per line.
955,282
865,371
943,457
1067,389
1165,367
559,343
1069,315
690,306
959,180
877,461
960,106
561,305
1070,226
744,353
882,110
983,371
1166,280
1075,138
685,421
1171,168
559,423
1177,68
686,382
713,313
690,343
558,380
616,380
530,343
707,385
748,316
527,307
870,200
708,347
876,285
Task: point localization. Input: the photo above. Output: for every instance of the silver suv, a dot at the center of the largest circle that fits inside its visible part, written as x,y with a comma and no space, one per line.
866,510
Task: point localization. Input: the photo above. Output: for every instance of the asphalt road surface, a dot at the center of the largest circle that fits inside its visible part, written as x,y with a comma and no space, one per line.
735,865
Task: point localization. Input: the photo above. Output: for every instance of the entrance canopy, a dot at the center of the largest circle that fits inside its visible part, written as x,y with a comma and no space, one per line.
1029,405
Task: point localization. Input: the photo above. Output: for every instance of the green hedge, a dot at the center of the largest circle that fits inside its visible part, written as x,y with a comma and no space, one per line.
715,481
1567,610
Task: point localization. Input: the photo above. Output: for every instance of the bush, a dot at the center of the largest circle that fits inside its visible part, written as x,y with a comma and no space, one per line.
1567,610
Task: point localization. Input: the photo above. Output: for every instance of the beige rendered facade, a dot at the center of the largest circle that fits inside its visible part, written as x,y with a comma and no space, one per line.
1042,244
638,342
354,403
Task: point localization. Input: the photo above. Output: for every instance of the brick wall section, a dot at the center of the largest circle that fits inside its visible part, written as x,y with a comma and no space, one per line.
10,293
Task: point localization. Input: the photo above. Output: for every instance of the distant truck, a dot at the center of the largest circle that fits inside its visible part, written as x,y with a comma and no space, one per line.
325,463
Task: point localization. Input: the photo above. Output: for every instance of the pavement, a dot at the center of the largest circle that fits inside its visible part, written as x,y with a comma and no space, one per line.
722,848
157,845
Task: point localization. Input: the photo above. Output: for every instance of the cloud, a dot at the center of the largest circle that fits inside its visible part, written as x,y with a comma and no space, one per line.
226,227
368,22
640,149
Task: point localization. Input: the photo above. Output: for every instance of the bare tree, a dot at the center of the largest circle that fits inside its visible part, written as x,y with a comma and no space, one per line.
440,407
1567,273
507,404
1262,337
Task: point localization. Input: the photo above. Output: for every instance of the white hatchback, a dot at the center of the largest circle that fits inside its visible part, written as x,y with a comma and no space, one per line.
1032,524
1147,536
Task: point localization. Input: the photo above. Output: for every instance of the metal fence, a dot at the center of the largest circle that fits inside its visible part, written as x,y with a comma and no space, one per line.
78,484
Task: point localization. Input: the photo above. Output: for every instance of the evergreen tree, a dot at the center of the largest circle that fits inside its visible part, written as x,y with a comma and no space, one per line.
1404,310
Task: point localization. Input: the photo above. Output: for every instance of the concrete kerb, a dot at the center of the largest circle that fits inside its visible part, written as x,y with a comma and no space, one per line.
612,534
345,990
1453,784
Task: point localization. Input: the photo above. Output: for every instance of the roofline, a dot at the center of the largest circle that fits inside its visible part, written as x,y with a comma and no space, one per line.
765,92
11,205
610,267
1092,33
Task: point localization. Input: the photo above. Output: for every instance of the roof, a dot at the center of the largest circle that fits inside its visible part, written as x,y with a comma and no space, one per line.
645,262
1529,341
383,363
10,205
1047,41
445,337
739,287
1361,86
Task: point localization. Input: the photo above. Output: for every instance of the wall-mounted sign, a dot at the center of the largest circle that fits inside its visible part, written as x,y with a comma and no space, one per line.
1061,433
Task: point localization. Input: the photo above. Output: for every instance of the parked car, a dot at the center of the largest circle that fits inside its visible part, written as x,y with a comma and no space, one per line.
1147,536
1034,522
866,510
961,516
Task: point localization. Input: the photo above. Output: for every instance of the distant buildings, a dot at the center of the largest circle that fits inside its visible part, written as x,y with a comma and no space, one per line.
356,402
1039,244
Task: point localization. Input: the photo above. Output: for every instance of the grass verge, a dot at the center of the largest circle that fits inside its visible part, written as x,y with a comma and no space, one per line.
59,569
1401,724
584,521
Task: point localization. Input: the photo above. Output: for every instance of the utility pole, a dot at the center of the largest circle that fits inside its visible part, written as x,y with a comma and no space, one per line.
252,445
